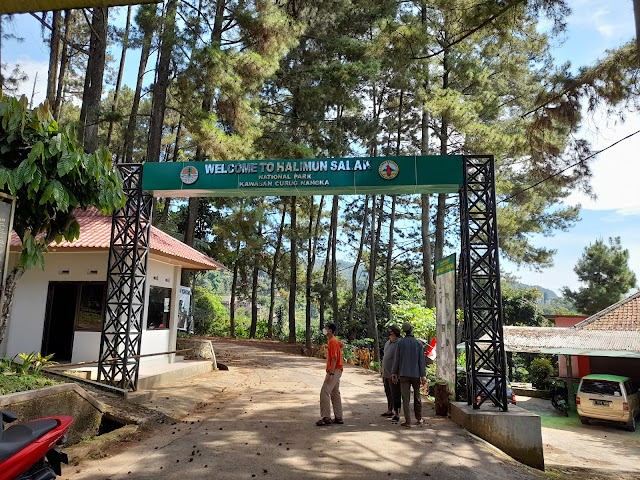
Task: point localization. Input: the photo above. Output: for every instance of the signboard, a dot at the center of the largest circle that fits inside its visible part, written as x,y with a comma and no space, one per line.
446,318
184,309
315,176
7,205
26,6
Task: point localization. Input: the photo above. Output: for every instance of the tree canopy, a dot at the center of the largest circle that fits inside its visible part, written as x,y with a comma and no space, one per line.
604,269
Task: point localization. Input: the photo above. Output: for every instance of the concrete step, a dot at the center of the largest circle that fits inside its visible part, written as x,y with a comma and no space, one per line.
153,377
141,396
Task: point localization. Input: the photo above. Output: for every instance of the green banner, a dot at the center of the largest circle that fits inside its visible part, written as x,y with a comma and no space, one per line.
317,176
445,265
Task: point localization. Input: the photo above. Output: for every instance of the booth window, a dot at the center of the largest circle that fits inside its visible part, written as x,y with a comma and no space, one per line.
159,308
91,303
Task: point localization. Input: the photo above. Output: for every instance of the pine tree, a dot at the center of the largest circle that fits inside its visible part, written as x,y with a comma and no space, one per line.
604,269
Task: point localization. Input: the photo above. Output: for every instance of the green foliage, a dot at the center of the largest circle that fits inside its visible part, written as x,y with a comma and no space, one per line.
521,309
422,318
605,271
12,383
210,317
32,364
41,164
539,372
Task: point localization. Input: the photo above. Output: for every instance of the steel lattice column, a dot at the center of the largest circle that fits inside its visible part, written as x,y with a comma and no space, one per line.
126,284
480,271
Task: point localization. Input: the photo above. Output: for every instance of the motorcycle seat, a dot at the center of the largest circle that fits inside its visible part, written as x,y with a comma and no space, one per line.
16,437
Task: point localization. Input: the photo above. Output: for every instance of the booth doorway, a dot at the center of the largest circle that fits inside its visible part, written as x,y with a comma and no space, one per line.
71,307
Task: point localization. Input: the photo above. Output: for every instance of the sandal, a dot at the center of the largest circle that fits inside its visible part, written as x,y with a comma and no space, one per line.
323,421
339,421
406,424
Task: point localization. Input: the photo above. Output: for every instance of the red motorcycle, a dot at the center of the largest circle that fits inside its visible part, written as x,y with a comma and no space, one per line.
28,451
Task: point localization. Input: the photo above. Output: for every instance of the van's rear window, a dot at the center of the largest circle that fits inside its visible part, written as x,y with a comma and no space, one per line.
601,387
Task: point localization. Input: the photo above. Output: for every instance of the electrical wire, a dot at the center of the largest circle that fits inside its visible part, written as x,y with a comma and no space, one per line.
569,167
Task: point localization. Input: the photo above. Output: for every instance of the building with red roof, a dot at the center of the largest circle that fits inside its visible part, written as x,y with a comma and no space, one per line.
60,310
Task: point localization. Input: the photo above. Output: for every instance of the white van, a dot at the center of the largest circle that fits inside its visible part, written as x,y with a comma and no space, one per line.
608,397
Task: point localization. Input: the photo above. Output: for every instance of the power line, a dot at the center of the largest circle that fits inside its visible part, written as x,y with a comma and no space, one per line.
569,167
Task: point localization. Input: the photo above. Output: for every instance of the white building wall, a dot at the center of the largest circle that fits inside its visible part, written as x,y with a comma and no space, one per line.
26,325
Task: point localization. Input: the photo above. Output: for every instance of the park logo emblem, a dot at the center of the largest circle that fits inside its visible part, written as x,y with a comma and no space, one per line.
388,170
189,175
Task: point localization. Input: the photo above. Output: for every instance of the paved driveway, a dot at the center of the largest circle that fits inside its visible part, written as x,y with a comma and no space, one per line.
597,450
257,420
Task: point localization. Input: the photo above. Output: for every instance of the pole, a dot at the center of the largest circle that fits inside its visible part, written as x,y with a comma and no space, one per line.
570,393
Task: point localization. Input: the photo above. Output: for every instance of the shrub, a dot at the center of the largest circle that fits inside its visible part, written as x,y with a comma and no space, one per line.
209,315
539,372
14,383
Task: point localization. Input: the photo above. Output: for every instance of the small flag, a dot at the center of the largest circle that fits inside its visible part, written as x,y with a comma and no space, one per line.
431,351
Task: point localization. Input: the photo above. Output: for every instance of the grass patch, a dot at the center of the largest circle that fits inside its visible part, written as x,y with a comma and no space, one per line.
14,383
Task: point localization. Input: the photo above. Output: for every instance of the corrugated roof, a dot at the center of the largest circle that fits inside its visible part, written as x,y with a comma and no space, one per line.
95,233
572,341
624,315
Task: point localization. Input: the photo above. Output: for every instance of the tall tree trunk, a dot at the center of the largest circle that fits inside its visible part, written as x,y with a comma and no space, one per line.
356,266
307,307
64,63
189,234
392,221
129,137
274,269
371,304
254,301
6,297
254,279
123,56
334,261
54,57
93,86
234,286
293,281
176,146
325,278
444,137
161,84
427,270
311,262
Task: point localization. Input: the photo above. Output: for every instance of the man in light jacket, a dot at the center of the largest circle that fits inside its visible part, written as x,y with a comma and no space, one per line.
409,367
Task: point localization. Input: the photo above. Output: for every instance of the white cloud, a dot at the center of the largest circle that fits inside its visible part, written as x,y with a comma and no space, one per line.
616,172
31,68
607,31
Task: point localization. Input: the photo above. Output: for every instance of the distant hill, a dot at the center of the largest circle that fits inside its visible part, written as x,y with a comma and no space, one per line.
547,295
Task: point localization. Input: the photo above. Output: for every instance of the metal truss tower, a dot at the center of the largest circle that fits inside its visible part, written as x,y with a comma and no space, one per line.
480,271
126,284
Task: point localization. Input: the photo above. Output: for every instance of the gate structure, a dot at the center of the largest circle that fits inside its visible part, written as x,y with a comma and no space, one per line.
472,176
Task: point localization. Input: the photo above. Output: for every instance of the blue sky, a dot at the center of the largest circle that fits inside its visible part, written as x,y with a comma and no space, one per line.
594,26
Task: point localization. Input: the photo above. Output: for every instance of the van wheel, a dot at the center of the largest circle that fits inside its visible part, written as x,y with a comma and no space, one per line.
631,425
584,420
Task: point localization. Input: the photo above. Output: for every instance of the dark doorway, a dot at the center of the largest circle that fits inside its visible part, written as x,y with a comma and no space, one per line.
61,316
71,307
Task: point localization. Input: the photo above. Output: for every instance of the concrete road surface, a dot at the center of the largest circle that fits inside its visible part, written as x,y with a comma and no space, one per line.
257,420
598,450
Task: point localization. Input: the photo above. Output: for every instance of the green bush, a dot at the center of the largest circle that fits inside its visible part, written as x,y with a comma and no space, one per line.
539,372
209,315
14,383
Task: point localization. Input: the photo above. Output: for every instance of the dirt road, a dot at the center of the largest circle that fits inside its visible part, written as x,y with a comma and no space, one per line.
257,420
595,451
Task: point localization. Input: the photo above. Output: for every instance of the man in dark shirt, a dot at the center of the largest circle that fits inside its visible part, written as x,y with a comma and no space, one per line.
409,367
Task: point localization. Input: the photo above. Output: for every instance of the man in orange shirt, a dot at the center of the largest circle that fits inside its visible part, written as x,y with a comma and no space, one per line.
330,393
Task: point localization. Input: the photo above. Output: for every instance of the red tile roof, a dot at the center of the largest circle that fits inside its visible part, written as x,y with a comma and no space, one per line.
624,315
95,232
